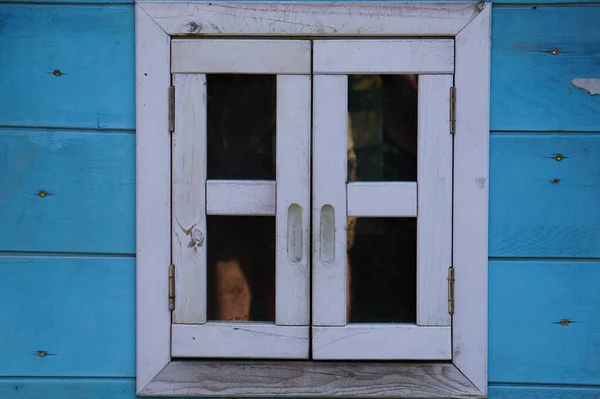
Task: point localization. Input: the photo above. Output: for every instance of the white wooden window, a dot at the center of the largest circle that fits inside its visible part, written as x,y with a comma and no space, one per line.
429,199
195,197
313,205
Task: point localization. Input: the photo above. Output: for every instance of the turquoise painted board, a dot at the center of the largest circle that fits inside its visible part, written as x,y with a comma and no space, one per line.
91,46
542,392
527,302
67,388
89,178
79,311
531,213
531,88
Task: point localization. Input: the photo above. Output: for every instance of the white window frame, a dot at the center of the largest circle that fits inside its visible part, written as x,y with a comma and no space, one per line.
156,24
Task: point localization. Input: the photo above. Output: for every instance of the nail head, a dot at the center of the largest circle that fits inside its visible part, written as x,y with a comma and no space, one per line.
57,72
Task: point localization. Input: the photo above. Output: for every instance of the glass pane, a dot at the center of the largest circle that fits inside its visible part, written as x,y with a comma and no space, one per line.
382,127
241,268
382,265
241,126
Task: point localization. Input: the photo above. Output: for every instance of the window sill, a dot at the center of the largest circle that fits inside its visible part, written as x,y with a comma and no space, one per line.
214,378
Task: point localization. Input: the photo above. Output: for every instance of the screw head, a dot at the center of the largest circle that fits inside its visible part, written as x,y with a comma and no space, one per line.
42,353
555,51
559,157
198,237
57,72
42,194
564,322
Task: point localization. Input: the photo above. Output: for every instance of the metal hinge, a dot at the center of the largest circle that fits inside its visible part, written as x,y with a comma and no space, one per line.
451,290
172,287
172,109
452,110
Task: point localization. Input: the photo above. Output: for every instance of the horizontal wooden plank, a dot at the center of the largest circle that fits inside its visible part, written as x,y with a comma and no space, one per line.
311,380
449,1
124,388
67,191
528,301
241,197
365,19
382,342
382,199
531,213
531,88
542,392
241,56
90,48
383,56
246,340
67,317
68,388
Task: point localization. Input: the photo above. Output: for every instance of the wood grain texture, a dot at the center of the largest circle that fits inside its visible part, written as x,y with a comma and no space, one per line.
91,46
543,392
305,379
383,56
434,224
292,297
330,143
241,56
527,342
382,199
383,341
67,191
153,199
531,214
79,311
240,340
366,19
531,88
188,204
241,197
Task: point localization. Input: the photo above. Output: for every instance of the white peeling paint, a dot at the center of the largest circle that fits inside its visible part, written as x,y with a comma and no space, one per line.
590,85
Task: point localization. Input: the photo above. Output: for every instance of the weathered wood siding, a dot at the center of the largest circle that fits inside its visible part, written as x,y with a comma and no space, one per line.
67,258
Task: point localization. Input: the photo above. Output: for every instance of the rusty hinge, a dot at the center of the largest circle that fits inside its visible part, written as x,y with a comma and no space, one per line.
172,109
451,290
172,287
452,110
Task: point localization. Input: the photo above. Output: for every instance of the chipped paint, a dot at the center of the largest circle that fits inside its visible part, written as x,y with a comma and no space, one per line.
589,85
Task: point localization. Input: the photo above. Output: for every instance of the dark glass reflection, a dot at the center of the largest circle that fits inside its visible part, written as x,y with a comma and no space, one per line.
382,127
241,113
382,257
241,268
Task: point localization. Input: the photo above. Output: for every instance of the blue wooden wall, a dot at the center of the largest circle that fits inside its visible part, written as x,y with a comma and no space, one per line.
67,206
